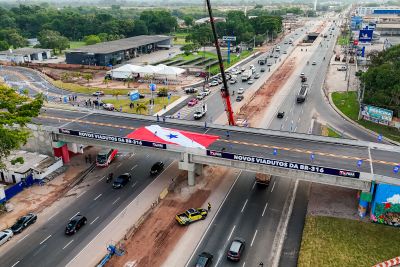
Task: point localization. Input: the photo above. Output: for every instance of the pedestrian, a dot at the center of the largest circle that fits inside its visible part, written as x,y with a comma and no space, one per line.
90,158
163,118
86,159
158,117
205,124
209,206
261,264
227,134
120,109
165,107
155,133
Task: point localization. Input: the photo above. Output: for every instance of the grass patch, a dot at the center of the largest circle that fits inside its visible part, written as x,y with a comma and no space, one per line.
77,44
124,102
234,59
347,103
77,88
180,38
192,56
332,133
343,40
342,242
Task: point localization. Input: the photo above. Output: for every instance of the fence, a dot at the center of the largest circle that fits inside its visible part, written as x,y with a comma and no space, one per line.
15,189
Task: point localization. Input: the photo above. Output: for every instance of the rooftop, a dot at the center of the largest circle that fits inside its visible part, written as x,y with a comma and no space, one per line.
31,161
23,51
121,44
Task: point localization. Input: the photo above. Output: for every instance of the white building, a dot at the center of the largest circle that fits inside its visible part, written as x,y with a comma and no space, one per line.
36,164
23,55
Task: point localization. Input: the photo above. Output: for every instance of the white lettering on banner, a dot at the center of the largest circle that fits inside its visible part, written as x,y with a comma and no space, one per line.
157,145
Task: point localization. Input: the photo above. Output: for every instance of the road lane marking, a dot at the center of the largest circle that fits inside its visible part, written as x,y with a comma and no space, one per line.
74,215
69,243
133,167
102,178
273,186
133,185
94,220
244,263
97,197
15,264
230,235
254,237
52,216
119,165
23,238
266,205
81,194
38,251
254,184
245,203
115,201
147,156
44,240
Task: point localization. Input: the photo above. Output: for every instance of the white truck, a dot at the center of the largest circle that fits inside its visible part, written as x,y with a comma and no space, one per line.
263,179
200,112
246,75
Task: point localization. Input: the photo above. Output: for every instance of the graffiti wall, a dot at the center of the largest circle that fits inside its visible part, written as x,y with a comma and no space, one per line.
386,205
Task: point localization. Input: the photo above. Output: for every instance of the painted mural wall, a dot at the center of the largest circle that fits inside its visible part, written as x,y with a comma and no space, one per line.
386,205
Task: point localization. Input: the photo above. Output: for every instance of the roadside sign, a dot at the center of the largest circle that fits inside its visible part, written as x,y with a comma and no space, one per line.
396,169
152,87
229,38
275,152
359,162
380,138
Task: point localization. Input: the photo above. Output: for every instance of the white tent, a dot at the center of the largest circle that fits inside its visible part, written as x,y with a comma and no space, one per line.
165,70
125,71
148,70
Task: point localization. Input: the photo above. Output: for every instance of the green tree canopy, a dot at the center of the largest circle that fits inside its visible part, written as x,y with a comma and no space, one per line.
92,39
15,110
188,20
53,40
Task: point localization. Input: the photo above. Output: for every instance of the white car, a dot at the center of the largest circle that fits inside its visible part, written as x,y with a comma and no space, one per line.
206,91
251,81
213,83
108,106
284,52
240,90
5,236
232,81
200,96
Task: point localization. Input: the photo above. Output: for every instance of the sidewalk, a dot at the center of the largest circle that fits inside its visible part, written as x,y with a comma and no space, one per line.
37,198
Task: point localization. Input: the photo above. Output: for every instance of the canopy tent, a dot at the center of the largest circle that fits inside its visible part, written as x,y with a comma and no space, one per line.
160,70
169,70
125,71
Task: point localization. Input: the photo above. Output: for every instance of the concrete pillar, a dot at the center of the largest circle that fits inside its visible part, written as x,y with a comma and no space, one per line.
184,164
191,178
198,169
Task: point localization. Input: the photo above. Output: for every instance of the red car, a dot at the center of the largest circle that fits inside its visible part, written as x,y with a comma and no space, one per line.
193,102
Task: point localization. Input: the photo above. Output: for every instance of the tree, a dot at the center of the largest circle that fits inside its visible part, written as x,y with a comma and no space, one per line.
189,48
91,39
139,28
201,35
106,81
188,20
16,40
140,107
16,110
53,40
159,21
87,76
4,45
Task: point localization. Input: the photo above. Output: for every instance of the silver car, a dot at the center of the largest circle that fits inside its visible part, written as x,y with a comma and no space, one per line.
5,236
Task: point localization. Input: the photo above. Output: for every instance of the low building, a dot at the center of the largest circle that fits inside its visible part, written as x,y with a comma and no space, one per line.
118,51
26,54
37,165
207,20
387,29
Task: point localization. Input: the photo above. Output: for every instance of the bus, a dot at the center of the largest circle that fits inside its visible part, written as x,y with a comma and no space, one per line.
105,157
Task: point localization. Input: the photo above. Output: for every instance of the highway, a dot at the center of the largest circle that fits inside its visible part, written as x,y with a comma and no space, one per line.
45,243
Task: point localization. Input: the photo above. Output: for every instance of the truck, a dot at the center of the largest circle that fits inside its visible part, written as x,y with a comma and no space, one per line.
200,112
301,96
191,215
263,179
262,61
246,75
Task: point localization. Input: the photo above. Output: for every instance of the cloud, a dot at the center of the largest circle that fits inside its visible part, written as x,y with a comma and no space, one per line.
395,199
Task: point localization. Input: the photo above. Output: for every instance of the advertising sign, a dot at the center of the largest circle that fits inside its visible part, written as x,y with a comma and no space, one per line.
134,95
284,164
229,38
375,114
152,87
365,35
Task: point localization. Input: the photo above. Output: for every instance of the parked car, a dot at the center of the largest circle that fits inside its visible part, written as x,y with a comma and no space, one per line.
240,90
200,96
276,56
5,236
314,63
269,64
192,102
280,114
98,93
342,68
23,222
135,91
108,106
204,260
206,91
284,52
236,249
232,81
157,168
302,74
239,98
75,224
122,180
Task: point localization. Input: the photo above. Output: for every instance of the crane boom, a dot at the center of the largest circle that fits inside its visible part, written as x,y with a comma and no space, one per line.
224,89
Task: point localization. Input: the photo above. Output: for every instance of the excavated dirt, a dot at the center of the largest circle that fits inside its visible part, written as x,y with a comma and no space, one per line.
153,240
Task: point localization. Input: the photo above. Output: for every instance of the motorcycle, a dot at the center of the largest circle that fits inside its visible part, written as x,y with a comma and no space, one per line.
109,178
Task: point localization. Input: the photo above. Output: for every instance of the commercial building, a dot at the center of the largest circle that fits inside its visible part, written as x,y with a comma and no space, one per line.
364,11
26,54
118,51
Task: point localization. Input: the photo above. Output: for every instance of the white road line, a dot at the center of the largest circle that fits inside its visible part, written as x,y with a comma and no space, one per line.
254,237
94,220
102,178
23,238
273,186
254,184
69,243
15,264
230,235
133,167
119,165
81,194
133,185
74,215
244,263
44,240
97,197
265,208
147,156
115,201
245,203
52,216
133,154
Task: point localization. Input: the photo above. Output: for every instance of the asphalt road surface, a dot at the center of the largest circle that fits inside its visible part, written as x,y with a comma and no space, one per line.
47,245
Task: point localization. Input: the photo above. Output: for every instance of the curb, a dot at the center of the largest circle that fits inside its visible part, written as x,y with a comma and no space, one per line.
356,124
83,175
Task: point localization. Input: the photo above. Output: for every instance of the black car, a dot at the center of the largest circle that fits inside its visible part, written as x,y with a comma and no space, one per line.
262,69
23,222
204,259
122,180
75,224
239,98
162,93
157,168
281,114
235,250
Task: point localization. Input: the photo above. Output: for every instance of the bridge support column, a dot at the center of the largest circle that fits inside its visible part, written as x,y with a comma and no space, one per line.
193,169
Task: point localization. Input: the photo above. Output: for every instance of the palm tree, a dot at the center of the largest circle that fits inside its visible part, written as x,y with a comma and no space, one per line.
106,81
140,107
88,77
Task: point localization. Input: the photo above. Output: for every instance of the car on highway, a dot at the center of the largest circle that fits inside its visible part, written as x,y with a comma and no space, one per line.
157,168
302,74
232,81
263,69
213,83
240,90
191,90
342,68
23,222
251,81
314,63
121,180
285,42
243,69
191,215
75,224
200,96
236,249
5,236
98,93
239,98
108,106
204,260
276,56
206,91
280,114
192,102
257,76
284,52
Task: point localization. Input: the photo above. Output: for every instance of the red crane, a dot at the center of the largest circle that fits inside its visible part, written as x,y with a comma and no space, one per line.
224,89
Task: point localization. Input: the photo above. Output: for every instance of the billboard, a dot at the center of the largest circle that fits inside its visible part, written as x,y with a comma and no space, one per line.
134,95
365,35
375,114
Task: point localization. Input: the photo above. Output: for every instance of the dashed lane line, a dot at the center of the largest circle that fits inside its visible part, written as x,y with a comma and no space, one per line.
44,240
69,243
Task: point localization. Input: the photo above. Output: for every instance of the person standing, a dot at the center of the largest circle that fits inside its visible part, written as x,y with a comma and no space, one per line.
209,207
